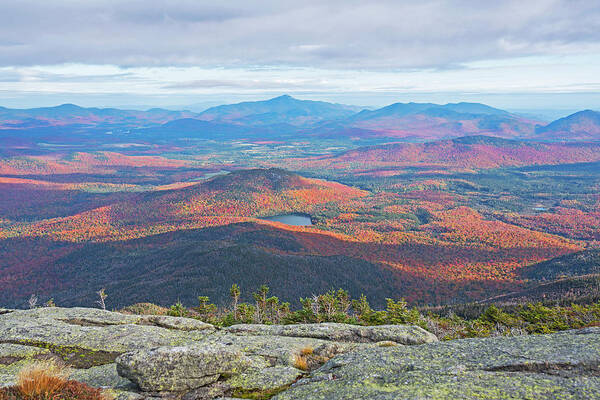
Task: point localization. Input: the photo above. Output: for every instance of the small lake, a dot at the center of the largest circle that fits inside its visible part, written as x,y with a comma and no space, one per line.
296,219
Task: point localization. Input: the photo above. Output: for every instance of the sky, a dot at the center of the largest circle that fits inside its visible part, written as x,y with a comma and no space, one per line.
518,55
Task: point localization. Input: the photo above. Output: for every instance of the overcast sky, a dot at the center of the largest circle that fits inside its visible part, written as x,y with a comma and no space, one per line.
513,54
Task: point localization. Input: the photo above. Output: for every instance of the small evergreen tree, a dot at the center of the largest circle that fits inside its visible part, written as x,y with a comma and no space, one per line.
206,310
260,297
178,310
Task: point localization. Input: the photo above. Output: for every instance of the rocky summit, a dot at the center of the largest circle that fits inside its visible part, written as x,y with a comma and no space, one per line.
145,357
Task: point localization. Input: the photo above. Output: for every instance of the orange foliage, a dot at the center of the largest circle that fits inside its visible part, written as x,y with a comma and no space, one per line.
419,230
99,163
47,380
450,153
569,222
41,380
189,207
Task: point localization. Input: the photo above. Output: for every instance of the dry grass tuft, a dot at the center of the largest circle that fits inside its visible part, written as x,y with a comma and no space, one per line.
387,343
48,380
144,309
301,362
42,379
306,351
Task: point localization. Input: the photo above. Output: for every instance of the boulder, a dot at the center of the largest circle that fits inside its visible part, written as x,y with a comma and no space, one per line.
245,363
403,334
565,365
183,368
254,358
88,340
86,337
279,350
180,358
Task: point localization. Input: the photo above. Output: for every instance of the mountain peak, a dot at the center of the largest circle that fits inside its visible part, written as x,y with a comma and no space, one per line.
283,98
587,112
283,109
582,125
255,180
69,105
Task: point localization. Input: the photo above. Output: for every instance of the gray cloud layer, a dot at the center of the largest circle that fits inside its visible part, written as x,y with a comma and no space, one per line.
322,34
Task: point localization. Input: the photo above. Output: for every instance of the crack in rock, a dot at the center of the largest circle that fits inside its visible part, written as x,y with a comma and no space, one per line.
558,369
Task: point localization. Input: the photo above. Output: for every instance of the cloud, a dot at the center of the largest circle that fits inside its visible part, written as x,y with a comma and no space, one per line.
10,76
249,84
336,34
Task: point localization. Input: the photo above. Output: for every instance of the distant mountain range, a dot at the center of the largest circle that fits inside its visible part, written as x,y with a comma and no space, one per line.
583,125
466,152
285,115
432,121
70,114
279,110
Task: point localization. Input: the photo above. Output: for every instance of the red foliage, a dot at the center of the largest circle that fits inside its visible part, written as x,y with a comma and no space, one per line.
568,222
448,153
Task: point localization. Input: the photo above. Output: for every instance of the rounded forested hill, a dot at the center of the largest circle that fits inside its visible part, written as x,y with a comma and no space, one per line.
182,265
581,263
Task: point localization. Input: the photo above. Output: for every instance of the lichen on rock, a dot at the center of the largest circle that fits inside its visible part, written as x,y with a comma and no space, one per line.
146,357
175,369
271,378
403,334
490,368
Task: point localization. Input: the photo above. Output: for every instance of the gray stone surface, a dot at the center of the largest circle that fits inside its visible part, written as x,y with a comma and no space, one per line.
13,357
245,362
124,395
10,351
559,366
86,337
80,315
175,369
103,376
97,317
278,350
216,390
92,329
182,324
271,378
171,357
403,334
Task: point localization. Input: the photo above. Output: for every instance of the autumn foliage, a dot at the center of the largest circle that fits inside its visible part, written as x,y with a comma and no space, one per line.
426,224
457,154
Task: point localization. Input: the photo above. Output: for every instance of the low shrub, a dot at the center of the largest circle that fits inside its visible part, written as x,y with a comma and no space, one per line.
337,306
